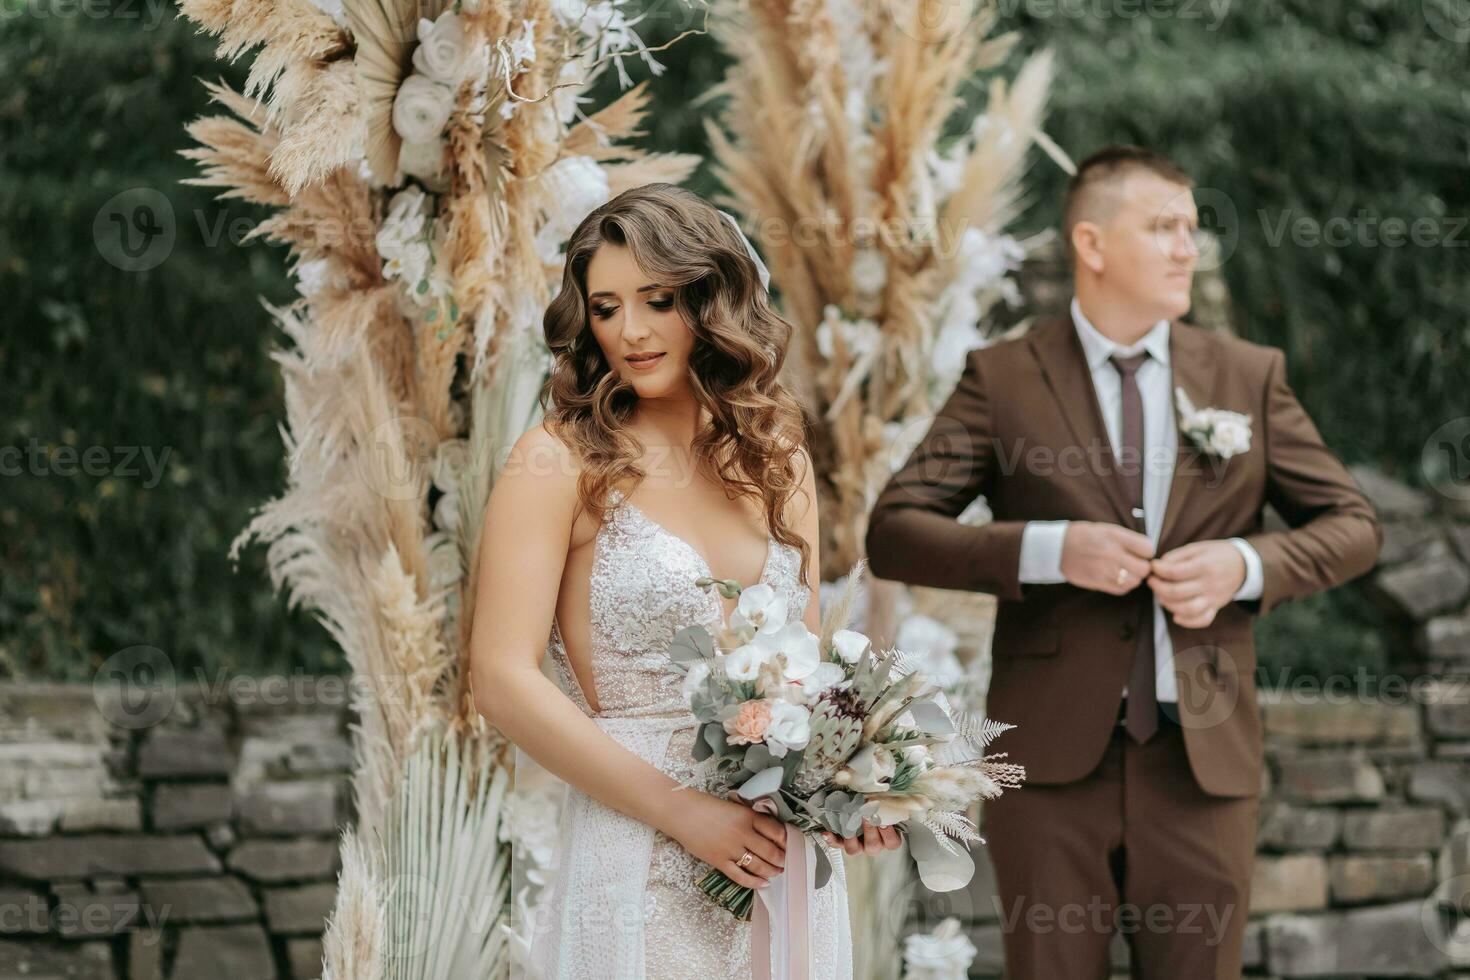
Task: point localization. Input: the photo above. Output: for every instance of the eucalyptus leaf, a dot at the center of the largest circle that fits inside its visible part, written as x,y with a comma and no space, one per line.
714,736
702,750
757,757
763,783
690,644
941,869
931,718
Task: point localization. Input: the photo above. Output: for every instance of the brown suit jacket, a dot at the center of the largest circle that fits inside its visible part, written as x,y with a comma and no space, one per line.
1024,429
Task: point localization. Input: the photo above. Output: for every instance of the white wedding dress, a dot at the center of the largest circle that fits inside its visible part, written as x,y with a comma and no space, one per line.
623,904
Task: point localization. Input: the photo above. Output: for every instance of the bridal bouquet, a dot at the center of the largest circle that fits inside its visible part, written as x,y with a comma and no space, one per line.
832,733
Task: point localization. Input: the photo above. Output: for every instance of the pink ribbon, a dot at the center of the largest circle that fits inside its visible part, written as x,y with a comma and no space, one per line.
781,916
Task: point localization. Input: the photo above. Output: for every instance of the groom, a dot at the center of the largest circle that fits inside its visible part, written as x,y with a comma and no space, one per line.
1129,558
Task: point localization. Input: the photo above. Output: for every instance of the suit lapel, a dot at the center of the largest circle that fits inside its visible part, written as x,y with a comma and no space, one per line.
1063,362
1197,373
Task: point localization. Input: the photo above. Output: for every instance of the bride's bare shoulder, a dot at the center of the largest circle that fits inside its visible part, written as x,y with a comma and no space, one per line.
544,471
540,470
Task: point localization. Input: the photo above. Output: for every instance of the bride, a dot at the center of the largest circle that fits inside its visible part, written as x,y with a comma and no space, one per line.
669,452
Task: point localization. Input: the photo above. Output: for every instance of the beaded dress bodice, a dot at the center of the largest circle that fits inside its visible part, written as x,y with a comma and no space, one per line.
642,592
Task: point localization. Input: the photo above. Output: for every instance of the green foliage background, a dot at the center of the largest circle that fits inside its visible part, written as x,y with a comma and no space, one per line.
1289,109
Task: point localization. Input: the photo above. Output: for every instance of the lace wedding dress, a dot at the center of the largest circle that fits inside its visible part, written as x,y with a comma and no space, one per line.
623,903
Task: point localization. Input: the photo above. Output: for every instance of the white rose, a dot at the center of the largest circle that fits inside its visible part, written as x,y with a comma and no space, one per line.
744,662
797,645
868,771
1231,434
421,109
441,51
760,607
916,755
790,728
850,645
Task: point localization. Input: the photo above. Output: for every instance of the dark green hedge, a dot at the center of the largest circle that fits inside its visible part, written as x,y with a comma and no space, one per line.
168,361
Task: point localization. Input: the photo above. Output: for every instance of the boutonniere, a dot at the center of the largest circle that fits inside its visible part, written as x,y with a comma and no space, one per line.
1214,430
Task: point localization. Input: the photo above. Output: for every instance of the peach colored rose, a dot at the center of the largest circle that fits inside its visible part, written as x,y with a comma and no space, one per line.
749,725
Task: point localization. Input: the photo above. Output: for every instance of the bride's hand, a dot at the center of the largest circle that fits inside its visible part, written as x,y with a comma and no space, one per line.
873,840
720,831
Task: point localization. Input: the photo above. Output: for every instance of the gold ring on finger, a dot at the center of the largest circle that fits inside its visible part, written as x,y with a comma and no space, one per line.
745,859
1122,575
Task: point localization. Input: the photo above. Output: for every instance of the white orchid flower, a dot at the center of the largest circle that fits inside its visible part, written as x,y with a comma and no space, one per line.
790,728
760,607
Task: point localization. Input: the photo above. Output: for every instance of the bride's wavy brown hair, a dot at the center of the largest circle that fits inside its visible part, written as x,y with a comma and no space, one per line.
680,241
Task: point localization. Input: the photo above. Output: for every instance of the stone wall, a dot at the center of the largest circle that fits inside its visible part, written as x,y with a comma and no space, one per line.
184,831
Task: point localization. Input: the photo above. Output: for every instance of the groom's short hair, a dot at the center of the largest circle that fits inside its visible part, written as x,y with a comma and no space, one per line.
1086,197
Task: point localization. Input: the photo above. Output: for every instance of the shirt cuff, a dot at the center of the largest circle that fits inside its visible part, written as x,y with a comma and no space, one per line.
1254,580
1041,552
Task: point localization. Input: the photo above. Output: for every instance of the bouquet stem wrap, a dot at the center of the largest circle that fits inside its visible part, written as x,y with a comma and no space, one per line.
781,920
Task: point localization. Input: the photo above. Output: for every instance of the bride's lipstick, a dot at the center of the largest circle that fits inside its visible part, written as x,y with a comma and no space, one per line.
645,361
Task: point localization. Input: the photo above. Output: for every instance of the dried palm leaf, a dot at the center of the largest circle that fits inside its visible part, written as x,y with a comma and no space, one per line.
385,32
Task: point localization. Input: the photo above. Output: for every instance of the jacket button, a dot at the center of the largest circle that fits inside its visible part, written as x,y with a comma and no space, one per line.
1125,631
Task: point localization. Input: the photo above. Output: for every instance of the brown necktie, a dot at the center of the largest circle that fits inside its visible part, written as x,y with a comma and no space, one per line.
1143,706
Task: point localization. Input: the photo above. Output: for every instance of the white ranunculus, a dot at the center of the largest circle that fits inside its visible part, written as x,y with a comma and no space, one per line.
761,607
790,728
869,770
442,47
850,645
798,647
421,108
695,678
422,160
744,662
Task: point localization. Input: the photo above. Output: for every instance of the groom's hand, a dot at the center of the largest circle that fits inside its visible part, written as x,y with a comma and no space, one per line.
1196,580
1105,557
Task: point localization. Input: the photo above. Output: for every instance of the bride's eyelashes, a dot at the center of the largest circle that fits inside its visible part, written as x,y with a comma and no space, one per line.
603,312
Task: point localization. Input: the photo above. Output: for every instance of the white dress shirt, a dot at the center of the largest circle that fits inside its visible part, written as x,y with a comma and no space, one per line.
1041,541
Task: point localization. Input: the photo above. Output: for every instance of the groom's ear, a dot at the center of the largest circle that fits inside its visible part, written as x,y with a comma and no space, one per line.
1086,241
